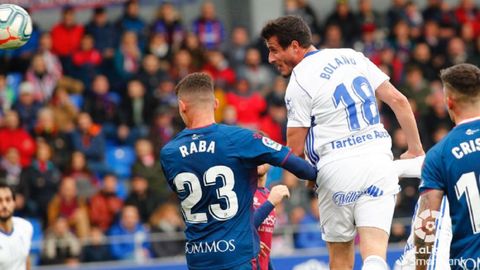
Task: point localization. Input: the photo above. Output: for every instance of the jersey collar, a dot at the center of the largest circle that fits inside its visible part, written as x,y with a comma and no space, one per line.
310,53
469,120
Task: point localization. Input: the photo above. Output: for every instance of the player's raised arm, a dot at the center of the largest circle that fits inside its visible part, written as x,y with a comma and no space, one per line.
387,93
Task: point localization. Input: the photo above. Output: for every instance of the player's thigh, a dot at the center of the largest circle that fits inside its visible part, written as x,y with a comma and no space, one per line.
341,255
373,218
336,221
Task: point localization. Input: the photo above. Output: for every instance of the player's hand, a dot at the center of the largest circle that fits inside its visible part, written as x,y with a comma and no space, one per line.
412,154
278,193
264,249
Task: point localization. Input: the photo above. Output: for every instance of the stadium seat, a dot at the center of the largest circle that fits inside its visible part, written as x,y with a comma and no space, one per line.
120,160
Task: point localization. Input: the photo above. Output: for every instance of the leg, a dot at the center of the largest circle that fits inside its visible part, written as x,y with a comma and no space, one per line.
341,254
373,241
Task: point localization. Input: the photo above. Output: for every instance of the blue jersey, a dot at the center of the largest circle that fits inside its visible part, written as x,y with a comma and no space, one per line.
213,170
453,165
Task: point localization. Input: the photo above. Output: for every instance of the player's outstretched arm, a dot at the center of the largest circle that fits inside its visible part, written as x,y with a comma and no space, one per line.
274,198
430,200
387,93
299,167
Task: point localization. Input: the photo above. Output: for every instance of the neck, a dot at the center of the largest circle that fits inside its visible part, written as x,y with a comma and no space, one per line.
201,120
309,49
465,115
6,226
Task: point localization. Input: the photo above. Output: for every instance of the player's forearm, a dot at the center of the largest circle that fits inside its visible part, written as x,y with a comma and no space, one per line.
300,168
407,122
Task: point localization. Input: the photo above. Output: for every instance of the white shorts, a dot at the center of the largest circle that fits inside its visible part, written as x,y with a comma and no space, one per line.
439,259
356,192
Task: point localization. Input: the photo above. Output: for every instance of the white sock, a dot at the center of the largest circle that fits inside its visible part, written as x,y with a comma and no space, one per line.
409,167
374,263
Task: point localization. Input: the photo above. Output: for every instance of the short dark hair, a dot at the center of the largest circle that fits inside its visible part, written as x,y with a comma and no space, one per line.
195,83
463,80
288,29
4,185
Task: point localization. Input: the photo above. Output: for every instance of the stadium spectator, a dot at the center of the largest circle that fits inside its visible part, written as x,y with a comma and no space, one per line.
128,56
85,180
127,235
86,60
162,129
401,41
131,21
39,182
66,36
12,135
158,46
151,74
103,32
59,141
89,139
148,166
217,66
416,89
433,11
422,58
42,79
96,249
467,13
10,168
346,20
167,225
259,75
196,49
208,27
303,9
168,23
182,65
52,62
395,13
64,111
61,246
309,235
26,106
273,122
67,203
249,104
142,197
105,205
238,45
367,17
333,37
164,94
7,94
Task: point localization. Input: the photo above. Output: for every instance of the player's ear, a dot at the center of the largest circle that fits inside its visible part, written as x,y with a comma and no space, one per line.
181,105
216,104
449,102
295,45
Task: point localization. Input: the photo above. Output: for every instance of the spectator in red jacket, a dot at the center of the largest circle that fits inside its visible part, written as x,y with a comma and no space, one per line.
105,205
86,60
66,36
467,12
11,135
219,69
249,104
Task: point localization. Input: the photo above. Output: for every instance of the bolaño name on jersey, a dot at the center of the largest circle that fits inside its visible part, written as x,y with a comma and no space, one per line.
465,148
330,68
199,146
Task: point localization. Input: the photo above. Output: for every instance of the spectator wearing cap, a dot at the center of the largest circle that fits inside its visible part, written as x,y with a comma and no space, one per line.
66,36
208,27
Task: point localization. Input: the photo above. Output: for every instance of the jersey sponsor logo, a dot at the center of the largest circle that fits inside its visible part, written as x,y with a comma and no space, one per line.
272,144
220,246
360,139
341,198
424,225
196,136
471,131
465,148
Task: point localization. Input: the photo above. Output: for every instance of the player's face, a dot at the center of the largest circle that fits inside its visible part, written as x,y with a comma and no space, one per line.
282,59
7,204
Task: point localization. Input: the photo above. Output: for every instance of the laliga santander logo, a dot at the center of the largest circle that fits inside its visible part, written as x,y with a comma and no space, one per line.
426,232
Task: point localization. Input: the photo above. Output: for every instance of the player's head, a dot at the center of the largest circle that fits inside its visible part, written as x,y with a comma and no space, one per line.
287,39
461,84
196,97
7,202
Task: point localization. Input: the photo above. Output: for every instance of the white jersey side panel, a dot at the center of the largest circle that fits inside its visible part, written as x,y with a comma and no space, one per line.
15,247
333,92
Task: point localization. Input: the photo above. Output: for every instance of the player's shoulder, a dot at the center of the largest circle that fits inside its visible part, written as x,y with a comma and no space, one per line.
21,224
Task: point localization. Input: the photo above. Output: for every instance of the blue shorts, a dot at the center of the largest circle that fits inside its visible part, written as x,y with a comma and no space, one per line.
247,266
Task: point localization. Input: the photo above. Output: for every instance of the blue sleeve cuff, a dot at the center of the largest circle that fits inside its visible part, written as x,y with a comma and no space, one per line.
262,213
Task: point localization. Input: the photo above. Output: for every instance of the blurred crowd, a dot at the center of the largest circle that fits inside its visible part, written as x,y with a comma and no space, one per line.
85,109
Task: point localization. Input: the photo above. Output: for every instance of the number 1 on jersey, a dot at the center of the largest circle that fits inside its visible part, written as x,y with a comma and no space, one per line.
467,184
363,90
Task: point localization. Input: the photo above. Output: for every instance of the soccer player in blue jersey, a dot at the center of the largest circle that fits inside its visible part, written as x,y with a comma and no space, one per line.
213,170
452,167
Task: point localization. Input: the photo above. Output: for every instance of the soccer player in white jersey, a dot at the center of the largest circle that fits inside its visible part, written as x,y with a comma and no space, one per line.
15,234
333,117
443,227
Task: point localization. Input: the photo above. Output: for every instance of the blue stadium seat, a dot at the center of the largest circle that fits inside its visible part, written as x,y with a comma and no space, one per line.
120,160
37,238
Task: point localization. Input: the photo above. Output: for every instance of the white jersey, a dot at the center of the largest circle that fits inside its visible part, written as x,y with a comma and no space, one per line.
332,91
15,247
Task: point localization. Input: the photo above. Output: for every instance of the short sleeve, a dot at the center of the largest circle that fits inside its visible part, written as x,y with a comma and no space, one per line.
432,172
299,104
257,149
374,75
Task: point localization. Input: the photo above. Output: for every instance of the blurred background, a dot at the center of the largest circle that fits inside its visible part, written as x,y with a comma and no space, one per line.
88,102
